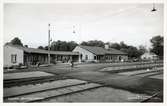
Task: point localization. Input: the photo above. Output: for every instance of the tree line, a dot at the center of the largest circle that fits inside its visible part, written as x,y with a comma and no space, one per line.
132,51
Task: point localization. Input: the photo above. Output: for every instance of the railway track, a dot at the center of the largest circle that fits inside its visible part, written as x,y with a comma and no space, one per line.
27,81
130,67
155,97
43,93
136,64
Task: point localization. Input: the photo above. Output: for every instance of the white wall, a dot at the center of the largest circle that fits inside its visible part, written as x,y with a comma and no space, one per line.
8,51
84,53
148,56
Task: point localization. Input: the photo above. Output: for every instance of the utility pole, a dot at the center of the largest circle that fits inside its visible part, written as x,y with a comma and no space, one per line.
49,44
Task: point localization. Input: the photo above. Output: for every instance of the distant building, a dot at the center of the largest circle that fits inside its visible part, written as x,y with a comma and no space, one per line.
15,55
98,54
149,56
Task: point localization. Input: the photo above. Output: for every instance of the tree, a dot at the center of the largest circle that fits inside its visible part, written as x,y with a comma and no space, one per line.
71,45
16,41
115,46
26,46
63,45
41,47
46,48
84,43
142,50
157,45
119,46
93,43
132,51
123,45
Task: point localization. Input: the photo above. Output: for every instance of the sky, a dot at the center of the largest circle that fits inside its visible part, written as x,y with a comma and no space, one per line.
134,24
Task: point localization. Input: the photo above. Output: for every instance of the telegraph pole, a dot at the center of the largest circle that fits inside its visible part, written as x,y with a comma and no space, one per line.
49,44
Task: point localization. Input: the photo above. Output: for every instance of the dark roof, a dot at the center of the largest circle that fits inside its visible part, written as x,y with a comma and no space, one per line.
101,51
33,50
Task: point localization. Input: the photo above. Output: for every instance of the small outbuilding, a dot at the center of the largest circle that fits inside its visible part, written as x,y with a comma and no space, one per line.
149,56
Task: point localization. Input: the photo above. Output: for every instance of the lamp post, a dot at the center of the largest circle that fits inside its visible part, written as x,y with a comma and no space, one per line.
154,9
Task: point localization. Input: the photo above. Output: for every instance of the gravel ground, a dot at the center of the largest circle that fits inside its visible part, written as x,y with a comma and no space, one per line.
103,94
25,75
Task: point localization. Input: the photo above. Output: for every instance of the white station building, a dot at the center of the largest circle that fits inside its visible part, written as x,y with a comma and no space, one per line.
16,55
99,54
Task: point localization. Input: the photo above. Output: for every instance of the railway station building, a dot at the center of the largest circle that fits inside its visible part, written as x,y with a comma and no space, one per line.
15,55
100,54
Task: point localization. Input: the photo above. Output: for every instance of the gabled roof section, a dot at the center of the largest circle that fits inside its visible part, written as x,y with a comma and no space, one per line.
101,51
40,51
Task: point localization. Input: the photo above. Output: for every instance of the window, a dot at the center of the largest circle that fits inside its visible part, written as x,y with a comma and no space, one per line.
86,57
94,57
13,58
111,58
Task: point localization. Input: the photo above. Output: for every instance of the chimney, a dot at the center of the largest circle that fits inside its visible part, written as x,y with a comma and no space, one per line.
106,46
